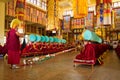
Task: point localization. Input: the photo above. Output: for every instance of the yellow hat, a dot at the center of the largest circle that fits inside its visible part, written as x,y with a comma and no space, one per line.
14,22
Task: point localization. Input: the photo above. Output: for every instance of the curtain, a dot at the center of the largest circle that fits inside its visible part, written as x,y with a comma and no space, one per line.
80,8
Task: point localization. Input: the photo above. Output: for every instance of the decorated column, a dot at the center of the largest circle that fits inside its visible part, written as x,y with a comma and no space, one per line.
99,7
52,15
19,13
107,12
19,9
103,12
2,23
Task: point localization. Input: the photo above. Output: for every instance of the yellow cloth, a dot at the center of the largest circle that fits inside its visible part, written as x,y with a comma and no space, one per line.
80,8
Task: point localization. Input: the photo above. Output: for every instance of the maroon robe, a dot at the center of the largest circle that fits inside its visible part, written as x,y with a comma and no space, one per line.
87,56
117,50
13,46
4,49
1,49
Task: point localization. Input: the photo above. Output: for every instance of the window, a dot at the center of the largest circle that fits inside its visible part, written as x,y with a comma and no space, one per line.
116,4
31,1
35,2
28,11
28,0
91,8
40,3
43,5
68,12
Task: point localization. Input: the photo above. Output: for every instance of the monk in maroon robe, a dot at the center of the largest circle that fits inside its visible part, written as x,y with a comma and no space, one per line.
1,49
117,49
87,55
13,44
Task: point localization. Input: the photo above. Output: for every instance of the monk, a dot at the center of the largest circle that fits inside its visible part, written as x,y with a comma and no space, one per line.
13,44
87,54
1,48
117,49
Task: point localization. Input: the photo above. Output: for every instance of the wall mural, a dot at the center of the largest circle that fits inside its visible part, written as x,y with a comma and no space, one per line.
117,17
66,22
89,19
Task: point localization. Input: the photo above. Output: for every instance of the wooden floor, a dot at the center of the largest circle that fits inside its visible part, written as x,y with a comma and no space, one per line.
61,67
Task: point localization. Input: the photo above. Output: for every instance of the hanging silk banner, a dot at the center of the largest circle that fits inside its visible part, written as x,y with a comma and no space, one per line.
107,13
19,9
80,8
66,23
104,12
99,11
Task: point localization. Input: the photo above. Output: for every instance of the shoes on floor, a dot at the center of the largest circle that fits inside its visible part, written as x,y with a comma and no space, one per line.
15,67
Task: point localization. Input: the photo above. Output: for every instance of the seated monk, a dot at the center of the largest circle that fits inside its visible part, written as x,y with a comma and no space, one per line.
117,49
87,55
34,48
1,49
4,49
